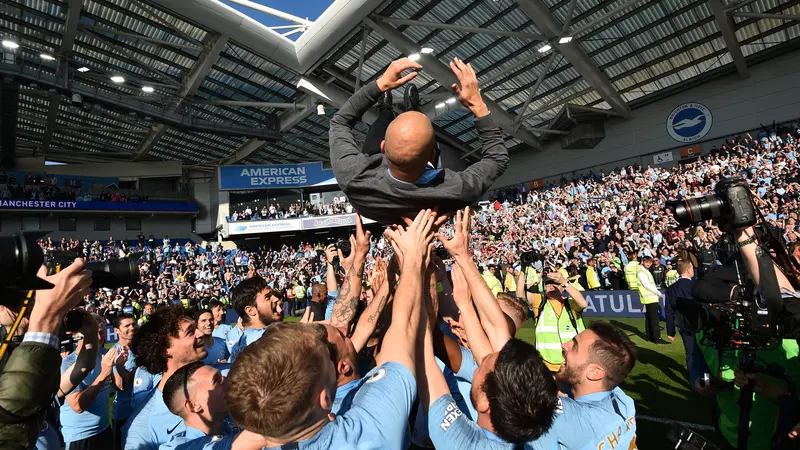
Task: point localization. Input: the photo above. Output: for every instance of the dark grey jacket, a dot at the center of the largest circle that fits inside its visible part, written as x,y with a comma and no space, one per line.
377,195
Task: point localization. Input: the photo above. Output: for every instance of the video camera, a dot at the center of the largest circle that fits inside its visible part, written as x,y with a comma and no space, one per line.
728,306
735,313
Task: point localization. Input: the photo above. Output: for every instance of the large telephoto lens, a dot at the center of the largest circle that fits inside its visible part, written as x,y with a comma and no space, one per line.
115,273
695,210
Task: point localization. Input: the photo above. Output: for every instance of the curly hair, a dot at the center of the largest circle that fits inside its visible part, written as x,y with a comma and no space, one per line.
151,341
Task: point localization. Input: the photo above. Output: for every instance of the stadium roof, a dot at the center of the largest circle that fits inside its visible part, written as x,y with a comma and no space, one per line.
221,87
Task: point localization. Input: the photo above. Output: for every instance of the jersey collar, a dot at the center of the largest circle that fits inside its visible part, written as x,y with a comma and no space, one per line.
343,390
491,435
595,397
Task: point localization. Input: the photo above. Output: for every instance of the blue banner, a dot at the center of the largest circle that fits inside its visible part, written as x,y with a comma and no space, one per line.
61,205
274,176
614,304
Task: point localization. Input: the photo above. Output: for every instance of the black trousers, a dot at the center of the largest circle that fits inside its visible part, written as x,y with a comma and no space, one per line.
651,329
117,425
102,441
377,133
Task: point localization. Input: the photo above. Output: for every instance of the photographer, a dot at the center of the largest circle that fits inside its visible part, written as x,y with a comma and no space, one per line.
30,378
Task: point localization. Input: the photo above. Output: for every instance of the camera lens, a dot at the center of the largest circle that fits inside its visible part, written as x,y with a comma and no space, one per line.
115,273
696,210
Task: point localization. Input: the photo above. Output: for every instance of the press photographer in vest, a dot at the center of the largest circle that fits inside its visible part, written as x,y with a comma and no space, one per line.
557,316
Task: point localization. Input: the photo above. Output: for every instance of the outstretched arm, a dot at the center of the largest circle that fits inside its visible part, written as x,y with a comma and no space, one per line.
346,159
403,338
481,175
346,304
492,317
369,318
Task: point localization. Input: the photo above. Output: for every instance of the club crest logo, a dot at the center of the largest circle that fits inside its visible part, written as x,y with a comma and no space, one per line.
689,122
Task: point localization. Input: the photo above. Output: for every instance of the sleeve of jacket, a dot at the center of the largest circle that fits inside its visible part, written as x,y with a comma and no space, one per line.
479,177
27,385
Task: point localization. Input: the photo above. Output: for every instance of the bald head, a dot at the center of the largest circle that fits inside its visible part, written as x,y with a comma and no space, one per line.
409,142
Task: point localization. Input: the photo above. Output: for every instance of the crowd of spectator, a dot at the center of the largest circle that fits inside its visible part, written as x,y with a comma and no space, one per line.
272,211
43,187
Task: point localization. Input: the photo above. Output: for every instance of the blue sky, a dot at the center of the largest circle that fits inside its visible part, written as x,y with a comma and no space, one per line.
310,9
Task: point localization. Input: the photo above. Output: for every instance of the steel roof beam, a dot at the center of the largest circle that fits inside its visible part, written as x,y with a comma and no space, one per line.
534,90
462,28
750,15
191,83
445,77
544,20
62,74
726,27
288,121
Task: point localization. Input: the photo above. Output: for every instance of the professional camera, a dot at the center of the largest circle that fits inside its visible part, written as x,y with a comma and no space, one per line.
734,313
21,257
527,259
730,206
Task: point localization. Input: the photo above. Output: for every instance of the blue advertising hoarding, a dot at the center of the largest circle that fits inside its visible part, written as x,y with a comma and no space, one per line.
279,176
614,304
60,205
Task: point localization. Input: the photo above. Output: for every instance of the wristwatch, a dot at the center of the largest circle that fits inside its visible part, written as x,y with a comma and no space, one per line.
746,242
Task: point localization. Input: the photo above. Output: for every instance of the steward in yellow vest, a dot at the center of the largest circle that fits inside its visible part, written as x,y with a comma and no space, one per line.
557,320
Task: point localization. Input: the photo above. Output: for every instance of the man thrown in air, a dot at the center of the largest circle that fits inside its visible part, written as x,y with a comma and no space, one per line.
402,178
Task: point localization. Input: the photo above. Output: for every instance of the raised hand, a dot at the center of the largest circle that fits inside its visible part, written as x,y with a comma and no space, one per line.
330,253
393,77
413,244
469,92
458,246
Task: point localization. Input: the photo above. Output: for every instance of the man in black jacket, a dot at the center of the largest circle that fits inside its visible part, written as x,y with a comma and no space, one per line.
682,289
403,179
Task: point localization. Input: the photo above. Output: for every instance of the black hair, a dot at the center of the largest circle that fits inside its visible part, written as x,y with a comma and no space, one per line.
613,350
120,317
200,312
177,383
214,303
151,341
522,393
244,295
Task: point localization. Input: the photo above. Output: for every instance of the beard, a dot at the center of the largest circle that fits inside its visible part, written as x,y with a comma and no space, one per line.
570,375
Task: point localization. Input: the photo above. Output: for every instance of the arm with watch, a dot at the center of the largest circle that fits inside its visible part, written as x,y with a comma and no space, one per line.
747,242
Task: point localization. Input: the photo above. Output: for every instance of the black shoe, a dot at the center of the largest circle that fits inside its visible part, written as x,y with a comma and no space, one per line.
661,341
411,98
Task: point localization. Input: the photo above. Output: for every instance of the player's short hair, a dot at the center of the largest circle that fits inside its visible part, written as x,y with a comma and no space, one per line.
520,413
214,303
245,293
200,312
257,398
120,317
684,266
176,388
513,309
614,351
151,340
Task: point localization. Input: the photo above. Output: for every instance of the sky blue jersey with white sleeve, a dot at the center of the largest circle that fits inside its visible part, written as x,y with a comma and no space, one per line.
450,429
94,418
601,420
123,405
249,336
232,337
143,383
216,352
151,425
221,331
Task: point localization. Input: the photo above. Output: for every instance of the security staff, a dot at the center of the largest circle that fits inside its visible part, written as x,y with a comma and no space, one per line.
649,295
631,272
510,282
491,280
592,279
672,275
